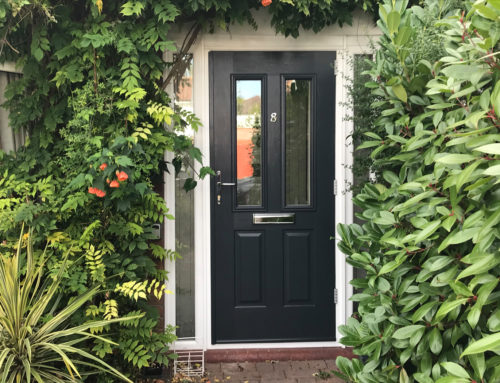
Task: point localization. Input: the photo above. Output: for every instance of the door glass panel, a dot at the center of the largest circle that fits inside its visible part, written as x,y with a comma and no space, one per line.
298,142
248,142
184,266
184,221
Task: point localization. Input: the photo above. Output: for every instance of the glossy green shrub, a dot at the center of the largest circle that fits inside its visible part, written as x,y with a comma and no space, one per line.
429,306
92,99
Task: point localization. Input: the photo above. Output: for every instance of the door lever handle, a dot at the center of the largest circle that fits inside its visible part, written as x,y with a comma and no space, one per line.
220,184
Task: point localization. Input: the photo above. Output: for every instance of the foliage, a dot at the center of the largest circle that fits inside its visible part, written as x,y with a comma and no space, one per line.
88,177
36,343
48,189
429,305
92,100
425,43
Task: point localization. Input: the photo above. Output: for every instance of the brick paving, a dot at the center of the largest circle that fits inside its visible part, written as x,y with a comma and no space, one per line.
270,372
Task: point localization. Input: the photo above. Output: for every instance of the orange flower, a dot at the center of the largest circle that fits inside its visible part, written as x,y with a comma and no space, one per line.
114,184
100,193
92,190
122,176
103,166
266,3
107,181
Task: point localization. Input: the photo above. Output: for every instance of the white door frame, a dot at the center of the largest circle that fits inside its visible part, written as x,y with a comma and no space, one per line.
345,42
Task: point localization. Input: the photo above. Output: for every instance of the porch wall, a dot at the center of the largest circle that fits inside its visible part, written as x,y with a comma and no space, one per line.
347,41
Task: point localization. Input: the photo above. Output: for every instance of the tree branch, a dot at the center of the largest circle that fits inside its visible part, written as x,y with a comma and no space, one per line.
180,63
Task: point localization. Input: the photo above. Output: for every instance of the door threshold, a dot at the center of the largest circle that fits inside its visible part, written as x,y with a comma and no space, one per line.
295,344
241,353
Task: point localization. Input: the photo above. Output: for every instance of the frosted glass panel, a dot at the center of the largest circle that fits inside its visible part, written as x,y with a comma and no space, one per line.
184,223
248,142
184,267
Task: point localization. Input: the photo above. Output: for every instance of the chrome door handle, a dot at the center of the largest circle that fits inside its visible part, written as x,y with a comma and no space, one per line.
219,184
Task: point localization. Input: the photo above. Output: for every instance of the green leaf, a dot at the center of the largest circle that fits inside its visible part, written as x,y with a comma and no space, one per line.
385,218
455,369
422,378
428,231
383,285
465,175
484,264
465,72
492,171
189,184
403,376
422,311
486,12
448,222
488,343
406,332
141,188
206,170
368,144
435,341
495,98
454,159
390,177
132,8
460,289
462,236
400,92
494,321
452,379
393,21
123,161
437,263
403,36
412,201
473,316
447,306
391,266
478,364
490,148
372,135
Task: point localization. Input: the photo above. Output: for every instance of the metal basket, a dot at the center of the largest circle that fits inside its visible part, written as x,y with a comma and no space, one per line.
189,362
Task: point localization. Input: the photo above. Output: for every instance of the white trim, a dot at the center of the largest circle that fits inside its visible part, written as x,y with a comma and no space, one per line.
189,345
10,67
169,227
345,42
347,70
169,236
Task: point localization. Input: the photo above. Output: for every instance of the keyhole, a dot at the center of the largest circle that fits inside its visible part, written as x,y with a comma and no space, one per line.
274,117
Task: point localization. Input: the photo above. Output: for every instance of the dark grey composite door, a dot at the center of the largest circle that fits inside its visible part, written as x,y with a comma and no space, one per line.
272,140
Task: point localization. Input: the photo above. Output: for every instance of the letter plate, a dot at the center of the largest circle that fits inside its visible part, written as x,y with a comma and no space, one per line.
273,218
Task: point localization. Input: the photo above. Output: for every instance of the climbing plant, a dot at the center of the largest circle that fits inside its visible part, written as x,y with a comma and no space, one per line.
429,304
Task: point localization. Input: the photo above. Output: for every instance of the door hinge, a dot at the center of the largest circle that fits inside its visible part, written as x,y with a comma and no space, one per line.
335,67
335,296
335,187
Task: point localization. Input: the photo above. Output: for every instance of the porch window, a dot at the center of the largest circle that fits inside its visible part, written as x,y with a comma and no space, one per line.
184,226
9,139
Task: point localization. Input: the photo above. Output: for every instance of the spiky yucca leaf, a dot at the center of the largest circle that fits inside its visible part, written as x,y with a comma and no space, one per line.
34,351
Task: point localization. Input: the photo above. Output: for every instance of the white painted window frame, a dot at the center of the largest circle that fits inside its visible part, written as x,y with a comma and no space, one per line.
345,46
